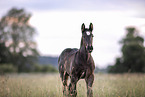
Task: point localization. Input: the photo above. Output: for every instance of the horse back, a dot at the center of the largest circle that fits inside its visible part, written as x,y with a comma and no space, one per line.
64,57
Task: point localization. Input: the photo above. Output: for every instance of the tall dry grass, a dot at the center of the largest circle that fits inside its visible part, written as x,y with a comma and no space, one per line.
49,85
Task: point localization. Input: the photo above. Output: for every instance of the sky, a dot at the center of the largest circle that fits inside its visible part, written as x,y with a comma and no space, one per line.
58,24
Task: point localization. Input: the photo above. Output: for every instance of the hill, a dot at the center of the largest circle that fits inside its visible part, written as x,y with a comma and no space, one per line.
45,60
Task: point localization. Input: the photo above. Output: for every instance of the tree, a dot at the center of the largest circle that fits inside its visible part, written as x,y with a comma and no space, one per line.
16,39
133,53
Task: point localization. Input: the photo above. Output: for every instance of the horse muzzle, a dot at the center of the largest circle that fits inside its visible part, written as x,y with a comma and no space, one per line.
90,48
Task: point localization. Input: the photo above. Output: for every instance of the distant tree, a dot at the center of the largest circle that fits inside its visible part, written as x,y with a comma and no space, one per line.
133,53
16,39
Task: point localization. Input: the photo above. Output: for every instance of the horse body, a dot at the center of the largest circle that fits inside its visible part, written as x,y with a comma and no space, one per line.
66,60
78,64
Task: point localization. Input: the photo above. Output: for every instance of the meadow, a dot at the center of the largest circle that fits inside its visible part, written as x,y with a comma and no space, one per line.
50,85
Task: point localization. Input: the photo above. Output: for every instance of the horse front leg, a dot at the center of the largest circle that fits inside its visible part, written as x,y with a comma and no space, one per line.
72,87
64,77
89,83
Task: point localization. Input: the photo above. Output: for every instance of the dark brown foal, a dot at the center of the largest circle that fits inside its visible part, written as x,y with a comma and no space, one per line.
78,64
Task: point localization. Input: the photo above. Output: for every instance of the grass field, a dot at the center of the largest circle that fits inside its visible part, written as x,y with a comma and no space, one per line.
49,85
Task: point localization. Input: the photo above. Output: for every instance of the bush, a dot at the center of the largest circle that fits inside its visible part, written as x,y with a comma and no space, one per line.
7,68
45,68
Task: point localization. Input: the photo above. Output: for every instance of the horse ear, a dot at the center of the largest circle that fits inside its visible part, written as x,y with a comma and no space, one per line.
91,27
83,27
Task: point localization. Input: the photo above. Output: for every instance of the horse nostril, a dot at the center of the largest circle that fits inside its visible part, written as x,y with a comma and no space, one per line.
90,48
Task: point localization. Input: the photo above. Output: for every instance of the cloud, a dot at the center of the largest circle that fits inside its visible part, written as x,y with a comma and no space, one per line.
134,7
82,5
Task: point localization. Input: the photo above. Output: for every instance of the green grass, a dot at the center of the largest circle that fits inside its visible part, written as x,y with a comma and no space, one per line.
49,85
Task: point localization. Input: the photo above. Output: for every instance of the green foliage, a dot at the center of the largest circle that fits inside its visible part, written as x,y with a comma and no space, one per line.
7,68
133,54
45,68
4,54
16,40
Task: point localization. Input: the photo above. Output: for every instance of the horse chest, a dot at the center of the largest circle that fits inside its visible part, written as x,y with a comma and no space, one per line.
80,71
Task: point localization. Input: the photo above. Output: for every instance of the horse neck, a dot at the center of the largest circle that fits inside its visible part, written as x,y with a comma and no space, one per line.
81,42
83,53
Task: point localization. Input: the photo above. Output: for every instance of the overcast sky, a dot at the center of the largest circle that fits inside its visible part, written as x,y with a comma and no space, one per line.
58,24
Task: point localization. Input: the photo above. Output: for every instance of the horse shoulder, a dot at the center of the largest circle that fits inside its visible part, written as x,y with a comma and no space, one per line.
90,67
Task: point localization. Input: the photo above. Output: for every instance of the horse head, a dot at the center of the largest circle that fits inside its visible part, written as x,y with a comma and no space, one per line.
87,38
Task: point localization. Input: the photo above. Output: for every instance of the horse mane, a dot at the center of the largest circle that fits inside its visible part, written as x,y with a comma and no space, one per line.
81,42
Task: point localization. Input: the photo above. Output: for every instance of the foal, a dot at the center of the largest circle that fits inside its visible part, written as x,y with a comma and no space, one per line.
78,64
